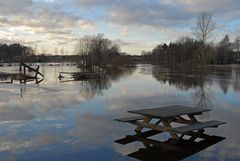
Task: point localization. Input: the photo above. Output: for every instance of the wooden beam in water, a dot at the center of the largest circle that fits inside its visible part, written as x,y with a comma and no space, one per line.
30,68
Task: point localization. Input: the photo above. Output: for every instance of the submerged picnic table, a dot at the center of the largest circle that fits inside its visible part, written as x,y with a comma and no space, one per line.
160,119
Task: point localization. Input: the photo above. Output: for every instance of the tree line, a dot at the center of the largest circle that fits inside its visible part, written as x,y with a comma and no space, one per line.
189,51
198,50
14,52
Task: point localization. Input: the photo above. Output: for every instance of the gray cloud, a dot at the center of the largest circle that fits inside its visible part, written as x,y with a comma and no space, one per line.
39,18
165,13
139,12
122,42
10,7
96,3
153,14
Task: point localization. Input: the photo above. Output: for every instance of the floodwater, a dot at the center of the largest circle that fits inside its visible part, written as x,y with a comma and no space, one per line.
74,120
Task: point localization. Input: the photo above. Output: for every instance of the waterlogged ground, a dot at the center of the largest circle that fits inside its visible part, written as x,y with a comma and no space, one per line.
73,120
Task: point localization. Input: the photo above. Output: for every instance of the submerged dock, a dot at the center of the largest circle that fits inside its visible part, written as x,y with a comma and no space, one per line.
81,75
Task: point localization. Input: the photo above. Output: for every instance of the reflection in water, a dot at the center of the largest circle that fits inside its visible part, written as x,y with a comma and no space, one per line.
93,87
198,80
56,121
89,88
168,151
203,97
25,74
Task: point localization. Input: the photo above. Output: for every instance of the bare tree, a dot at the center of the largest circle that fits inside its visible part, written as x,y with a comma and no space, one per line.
62,52
204,26
56,51
96,50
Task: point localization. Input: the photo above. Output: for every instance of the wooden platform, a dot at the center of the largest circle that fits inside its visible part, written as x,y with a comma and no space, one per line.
26,74
81,75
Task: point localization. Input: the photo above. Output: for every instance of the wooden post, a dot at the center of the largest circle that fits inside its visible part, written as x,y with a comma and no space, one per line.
37,71
24,70
20,68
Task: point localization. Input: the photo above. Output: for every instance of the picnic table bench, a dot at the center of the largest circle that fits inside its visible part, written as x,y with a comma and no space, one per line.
164,117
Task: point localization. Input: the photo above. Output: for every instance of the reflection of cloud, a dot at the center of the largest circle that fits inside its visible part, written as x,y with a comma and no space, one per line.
32,107
230,152
92,130
126,149
45,139
13,143
14,114
228,149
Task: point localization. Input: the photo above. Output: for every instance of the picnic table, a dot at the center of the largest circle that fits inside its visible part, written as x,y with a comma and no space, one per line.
177,120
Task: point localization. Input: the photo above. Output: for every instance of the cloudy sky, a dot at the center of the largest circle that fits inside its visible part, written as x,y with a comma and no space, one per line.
135,24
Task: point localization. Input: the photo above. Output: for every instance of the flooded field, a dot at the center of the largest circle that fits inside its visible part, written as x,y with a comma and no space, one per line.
67,120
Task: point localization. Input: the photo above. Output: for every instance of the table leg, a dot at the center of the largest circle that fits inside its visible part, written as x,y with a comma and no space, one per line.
139,128
199,132
196,135
192,118
167,124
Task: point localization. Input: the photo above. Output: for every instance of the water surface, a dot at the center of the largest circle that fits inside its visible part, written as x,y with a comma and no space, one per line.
73,120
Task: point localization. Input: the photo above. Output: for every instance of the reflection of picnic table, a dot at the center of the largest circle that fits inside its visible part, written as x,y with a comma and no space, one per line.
182,149
166,119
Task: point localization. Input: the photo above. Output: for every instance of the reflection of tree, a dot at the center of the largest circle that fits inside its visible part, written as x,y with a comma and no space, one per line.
202,96
185,80
93,87
236,78
223,75
181,78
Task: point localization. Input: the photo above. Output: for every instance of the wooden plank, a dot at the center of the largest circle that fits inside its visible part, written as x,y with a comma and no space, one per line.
170,111
128,139
129,119
80,73
183,121
152,126
197,126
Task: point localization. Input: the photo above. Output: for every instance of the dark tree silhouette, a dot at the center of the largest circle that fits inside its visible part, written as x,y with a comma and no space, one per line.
97,51
14,52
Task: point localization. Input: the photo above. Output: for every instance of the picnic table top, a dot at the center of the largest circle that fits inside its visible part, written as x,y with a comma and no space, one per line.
169,111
